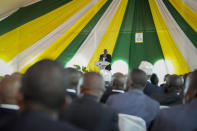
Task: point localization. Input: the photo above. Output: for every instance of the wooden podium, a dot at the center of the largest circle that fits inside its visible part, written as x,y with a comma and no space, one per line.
101,64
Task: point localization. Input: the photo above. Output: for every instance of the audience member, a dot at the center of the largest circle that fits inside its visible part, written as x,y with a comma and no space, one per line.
9,87
74,76
41,98
134,101
118,80
154,79
152,89
172,95
86,112
181,117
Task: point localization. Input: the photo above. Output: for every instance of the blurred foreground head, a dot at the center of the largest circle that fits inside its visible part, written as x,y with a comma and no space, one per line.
93,84
9,87
43,86
137,79
190,90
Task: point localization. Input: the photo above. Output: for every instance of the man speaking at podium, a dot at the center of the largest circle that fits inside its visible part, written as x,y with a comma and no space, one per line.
106,57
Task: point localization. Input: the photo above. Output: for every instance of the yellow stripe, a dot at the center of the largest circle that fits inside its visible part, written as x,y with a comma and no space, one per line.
109,39
168,45
188,14
58,46
26,35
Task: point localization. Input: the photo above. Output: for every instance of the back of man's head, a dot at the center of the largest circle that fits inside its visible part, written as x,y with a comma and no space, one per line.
93,84
9,87
190,90
154,79
74,77
43,84
137,79
118,81
174,83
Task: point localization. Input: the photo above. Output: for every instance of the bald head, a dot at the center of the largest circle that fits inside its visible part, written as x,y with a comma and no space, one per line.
190,90
93,84
9,87
137,79
118,81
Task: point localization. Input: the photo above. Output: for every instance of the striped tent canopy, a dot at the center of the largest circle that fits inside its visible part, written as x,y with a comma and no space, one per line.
75,32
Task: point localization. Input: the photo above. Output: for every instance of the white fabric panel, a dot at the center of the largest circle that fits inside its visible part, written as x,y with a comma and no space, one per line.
131,123
87,49
192,4
8,7
28,55
185,46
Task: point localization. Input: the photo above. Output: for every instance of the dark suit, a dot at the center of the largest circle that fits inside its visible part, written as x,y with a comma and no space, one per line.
168,99
136,103
152,89
106,95
177,118
35,121
108,59
91,115
6,115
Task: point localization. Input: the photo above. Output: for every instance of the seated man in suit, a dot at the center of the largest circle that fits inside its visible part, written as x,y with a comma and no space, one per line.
9,87
181,117
40,98
106,57
172,95
86,112
118,81
74,76
134,101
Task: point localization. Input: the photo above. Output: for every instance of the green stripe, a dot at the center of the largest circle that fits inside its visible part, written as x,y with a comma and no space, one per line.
29,13
138,18
186,28
150,50
69,52
121,50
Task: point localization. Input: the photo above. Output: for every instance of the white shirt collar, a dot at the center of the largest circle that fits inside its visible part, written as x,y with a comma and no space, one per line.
71,90
9,106
119,91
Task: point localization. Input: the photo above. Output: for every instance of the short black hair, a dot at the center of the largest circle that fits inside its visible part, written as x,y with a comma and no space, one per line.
138,77
44,83
154,79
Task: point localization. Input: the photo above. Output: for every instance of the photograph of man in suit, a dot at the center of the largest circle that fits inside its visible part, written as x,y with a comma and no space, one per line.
106,57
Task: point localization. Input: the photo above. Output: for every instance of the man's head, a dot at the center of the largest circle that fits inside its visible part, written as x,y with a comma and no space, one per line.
9,87
137,79
154,79
93,84
74,77
105,51
118,80
43,86
174,83
190,90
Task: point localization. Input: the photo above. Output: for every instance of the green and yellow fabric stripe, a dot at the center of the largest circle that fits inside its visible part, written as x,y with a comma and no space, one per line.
188,14
186,28
72,48
150,49
109,39
169,48
57,47
24,36
29,13
122,47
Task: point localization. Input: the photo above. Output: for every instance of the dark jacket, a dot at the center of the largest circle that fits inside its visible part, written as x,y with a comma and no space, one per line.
152,89
35,121
136,103
108,59
177,118
87,113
